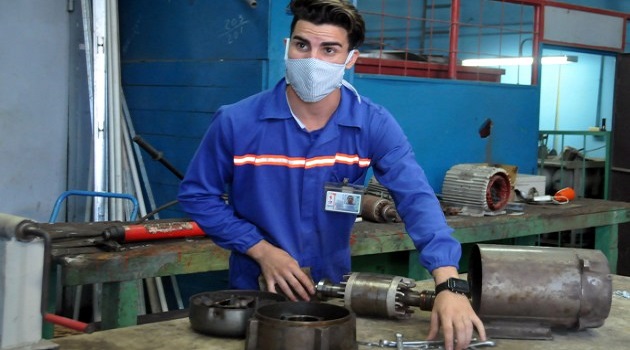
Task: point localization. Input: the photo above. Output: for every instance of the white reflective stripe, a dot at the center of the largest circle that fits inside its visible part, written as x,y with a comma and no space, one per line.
294,162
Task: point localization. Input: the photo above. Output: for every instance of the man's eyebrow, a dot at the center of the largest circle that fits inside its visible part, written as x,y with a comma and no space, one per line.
297,37
325,43
331,43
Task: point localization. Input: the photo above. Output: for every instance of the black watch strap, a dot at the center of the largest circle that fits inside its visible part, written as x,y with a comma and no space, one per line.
455,285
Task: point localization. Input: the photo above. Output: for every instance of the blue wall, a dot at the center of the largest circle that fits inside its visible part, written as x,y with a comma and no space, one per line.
442,120
181,60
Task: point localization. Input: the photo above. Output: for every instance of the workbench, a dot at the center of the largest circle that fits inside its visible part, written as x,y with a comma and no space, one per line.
177,334
119,271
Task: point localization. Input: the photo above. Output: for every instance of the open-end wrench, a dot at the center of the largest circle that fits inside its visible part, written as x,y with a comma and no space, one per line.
480,344
424,344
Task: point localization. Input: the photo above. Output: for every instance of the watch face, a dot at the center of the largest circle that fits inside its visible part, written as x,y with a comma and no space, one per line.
458,285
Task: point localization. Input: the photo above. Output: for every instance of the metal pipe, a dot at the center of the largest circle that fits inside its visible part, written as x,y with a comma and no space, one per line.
138,155
114,108
538,32
86,14
157,155
99,120
136,186
522,292
454,38
27,231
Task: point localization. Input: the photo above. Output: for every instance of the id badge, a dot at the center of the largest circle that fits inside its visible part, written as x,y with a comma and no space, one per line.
343,198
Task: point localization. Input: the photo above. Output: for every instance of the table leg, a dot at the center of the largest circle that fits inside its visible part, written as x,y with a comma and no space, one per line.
48,329
606,240
416,271
120,304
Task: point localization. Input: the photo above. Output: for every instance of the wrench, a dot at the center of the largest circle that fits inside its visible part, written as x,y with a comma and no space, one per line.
423,344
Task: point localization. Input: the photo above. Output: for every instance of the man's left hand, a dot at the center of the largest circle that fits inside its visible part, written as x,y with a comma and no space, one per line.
454,315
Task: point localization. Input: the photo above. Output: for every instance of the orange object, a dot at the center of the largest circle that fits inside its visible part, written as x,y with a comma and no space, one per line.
564,195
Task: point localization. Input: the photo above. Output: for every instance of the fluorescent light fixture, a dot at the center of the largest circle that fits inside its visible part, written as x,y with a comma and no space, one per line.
517,61
558,59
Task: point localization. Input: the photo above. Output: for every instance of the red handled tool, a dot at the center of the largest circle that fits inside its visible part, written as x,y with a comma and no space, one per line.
153,230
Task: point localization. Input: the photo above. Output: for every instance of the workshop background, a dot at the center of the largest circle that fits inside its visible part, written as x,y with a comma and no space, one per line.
181,60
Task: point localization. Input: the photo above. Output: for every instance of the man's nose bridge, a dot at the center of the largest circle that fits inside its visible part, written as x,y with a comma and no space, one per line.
314,53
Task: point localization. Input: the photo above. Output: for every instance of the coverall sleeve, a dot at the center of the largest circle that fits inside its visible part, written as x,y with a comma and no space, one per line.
395,167
207,178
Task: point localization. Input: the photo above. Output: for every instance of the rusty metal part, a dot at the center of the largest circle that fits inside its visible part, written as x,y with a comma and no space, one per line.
378,209
400,343
523,292
478,189
301,325
519,292
369,294
225,313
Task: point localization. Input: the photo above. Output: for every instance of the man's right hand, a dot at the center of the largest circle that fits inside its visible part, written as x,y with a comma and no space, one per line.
280,270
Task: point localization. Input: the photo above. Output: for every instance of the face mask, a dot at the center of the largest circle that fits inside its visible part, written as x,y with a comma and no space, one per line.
313,79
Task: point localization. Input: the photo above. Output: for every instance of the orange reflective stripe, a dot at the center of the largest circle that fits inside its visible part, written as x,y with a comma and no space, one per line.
296,162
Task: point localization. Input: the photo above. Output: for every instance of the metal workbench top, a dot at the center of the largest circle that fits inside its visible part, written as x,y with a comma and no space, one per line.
119,271
177,334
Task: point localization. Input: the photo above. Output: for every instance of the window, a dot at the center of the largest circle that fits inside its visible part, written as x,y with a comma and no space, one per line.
414,38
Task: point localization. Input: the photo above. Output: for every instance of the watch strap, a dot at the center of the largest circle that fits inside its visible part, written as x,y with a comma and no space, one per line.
451,284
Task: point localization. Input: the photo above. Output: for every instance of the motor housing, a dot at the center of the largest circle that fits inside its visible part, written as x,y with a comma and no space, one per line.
477,189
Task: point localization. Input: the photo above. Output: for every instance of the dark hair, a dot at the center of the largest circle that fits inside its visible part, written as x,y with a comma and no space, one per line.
337,12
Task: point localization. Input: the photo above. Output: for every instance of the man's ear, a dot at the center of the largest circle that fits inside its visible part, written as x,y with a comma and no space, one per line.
353,59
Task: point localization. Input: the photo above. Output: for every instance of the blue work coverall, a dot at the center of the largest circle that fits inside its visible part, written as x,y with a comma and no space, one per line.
275,173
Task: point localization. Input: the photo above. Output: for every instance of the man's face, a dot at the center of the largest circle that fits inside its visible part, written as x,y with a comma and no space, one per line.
325,42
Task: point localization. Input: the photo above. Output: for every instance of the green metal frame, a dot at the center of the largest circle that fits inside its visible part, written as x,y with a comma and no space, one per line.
605,135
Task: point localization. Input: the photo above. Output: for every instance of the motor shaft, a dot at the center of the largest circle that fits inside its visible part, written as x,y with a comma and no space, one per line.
369,294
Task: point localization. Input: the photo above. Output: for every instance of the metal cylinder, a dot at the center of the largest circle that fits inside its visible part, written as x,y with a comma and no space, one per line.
301,325
9,226
22,288
377,295
479,188
378,209
225,313
523,292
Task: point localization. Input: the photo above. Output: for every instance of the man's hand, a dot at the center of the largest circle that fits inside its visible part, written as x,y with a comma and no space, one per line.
454,314
281,270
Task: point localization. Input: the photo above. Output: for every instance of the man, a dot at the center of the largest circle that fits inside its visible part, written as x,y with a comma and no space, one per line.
284,154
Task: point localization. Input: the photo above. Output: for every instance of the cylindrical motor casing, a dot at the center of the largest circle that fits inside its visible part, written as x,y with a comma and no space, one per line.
302,325
478,187
555,287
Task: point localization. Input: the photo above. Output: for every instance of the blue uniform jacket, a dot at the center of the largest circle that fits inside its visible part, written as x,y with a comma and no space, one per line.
275,174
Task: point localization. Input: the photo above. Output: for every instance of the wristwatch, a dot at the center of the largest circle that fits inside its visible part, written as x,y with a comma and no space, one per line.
455,285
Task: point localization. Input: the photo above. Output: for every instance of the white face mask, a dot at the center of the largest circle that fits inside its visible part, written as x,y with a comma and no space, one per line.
313,79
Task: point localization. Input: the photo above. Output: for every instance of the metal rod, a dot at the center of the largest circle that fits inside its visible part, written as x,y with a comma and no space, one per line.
27,231
99,122
454,37
538,28
157,155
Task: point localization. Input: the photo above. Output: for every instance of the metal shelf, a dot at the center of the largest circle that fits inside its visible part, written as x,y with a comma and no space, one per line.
576,157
